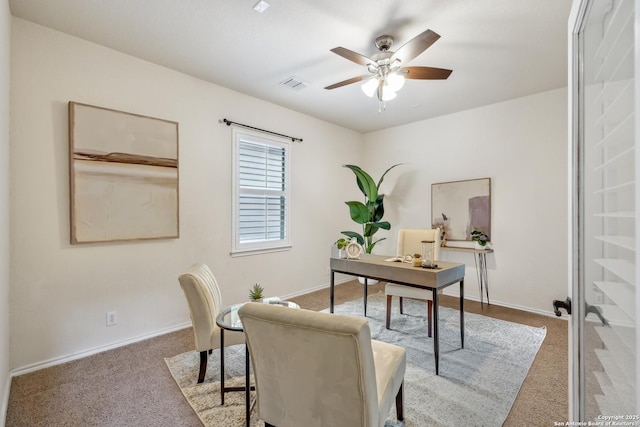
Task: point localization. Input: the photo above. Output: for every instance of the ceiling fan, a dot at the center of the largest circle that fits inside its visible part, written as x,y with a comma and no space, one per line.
387,72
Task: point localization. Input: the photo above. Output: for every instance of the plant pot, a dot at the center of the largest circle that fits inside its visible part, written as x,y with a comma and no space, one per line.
369,281
479,246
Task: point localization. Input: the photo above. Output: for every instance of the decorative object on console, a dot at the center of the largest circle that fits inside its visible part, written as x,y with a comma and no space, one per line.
123,172
369,214
480,237
443,225
464,205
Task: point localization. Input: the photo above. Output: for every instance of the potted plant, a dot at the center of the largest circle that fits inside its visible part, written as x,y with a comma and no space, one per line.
341,244
480,237
368,214
256,293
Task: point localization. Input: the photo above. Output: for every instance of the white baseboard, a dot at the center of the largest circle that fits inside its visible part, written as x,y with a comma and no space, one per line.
452,294
317,288
508,305
5,401
89,352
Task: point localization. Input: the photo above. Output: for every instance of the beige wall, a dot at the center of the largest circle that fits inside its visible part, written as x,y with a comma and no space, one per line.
60,292
519,144
5,52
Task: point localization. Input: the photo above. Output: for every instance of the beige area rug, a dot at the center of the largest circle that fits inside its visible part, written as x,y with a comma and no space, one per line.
477,385
205,398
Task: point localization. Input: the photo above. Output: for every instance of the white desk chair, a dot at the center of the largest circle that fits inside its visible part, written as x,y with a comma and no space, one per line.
205,302
409,243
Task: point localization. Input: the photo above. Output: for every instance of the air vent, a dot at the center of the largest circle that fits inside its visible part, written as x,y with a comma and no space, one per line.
261,6
294,83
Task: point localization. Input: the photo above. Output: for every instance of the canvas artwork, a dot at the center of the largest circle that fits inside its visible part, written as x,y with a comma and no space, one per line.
460,206
123,175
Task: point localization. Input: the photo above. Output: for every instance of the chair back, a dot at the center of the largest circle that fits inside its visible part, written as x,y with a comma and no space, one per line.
311,369
410,241
205,302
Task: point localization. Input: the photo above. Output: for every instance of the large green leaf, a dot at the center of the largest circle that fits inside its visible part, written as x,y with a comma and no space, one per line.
369,213
385,172
371,246
353,234
358,211
370,229
378,208
383,224
366,184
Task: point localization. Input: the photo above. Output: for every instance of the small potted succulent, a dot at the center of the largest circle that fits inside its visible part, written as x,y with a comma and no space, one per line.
256,293
480,237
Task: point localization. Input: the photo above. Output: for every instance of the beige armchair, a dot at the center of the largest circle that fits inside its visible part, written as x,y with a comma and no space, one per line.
410,242
317,369
205,302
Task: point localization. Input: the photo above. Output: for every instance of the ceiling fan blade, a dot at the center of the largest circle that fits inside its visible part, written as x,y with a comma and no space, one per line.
415,46
425,73
349,81
353,56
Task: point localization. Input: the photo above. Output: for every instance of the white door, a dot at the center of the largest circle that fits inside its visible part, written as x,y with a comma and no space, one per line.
603,352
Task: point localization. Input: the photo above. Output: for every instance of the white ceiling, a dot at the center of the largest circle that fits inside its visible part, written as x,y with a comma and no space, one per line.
498,49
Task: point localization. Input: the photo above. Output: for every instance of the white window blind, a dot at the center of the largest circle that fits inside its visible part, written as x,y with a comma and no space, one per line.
261,193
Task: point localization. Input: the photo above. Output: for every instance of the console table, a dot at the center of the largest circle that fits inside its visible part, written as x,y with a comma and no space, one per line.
480,258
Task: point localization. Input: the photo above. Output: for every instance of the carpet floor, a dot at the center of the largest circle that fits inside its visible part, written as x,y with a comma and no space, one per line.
476,386
131,385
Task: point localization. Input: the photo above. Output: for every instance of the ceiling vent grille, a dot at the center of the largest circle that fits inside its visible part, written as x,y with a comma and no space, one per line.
294,83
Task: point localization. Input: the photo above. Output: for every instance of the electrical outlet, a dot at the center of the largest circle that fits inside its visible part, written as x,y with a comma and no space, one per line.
112,318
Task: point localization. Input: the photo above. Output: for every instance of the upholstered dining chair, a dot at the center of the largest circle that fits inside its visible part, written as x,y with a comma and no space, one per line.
410,242
205,302
316,369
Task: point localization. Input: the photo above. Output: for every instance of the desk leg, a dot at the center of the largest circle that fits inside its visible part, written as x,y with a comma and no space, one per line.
331,292
221,366
436,343
366,286
462,313
247,386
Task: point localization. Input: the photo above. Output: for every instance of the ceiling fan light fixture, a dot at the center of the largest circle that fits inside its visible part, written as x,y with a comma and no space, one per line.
369,87
387,95
394,82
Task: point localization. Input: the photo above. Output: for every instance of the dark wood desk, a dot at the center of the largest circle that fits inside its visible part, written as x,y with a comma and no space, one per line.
375,267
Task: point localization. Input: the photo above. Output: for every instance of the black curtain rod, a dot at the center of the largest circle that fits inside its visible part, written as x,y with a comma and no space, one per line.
229,123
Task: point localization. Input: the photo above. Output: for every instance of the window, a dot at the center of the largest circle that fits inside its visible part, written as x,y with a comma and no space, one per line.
261,194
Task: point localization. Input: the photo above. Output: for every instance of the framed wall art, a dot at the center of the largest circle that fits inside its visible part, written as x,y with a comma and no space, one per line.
123,172
460,206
